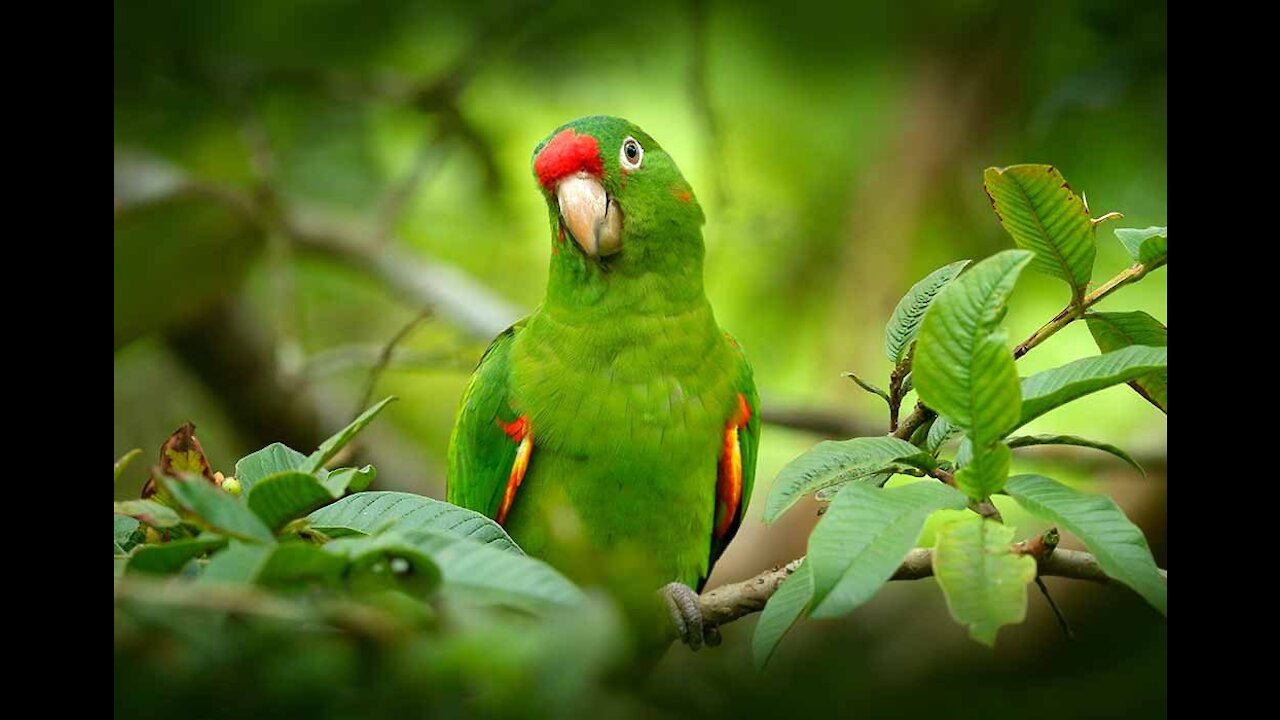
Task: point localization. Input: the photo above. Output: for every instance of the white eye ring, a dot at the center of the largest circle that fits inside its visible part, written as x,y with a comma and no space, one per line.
632,161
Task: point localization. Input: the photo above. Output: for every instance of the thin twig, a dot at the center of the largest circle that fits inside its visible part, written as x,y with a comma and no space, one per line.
1057,612
384,357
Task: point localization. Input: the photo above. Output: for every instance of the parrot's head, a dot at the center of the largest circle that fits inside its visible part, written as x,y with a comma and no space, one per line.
617,193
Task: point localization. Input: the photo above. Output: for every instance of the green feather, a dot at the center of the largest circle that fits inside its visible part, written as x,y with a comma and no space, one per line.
627,382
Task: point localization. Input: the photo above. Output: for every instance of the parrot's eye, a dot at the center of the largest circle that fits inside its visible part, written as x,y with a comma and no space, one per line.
632,154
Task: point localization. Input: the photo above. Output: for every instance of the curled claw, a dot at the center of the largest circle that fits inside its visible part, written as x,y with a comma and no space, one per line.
686,615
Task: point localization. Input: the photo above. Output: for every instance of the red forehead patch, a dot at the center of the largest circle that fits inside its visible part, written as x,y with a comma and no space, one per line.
566,154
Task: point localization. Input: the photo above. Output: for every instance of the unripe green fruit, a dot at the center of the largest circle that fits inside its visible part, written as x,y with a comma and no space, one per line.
232,486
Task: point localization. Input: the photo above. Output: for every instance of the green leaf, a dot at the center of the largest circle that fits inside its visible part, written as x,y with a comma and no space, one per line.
329,448
148,511
1149,246
485,574
1047,390
869,387
126,533
939,433
125,459
217,509
781,613
284,565
1037,207
1101,525
962,368
344,480
1029,440
903,325
833,462
368,512
272,459
984,583
985,471
863,537
1113,331
386,561
279,498
169,558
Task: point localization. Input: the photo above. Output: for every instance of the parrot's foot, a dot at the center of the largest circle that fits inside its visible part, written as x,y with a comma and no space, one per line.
682,603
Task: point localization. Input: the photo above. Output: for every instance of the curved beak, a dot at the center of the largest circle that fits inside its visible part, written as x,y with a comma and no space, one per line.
593,218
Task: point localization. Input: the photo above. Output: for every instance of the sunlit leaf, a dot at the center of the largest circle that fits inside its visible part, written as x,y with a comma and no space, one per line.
1149,246
984,471
962,368
833,462
1049,389
1116,330
863,537
1038,208
904,324
1118,544
984,583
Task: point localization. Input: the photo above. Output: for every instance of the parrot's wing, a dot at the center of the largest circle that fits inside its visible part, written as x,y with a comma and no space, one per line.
737,472
486,440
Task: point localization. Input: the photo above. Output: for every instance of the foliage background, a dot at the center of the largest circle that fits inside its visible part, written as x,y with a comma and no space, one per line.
837,150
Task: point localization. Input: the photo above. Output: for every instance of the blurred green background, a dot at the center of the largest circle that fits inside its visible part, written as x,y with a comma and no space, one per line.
294,181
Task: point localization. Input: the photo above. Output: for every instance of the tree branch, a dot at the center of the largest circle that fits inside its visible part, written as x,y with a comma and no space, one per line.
734,601
919,416
1074,312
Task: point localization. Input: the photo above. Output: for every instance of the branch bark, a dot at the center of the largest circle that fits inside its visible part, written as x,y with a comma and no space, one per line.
734,601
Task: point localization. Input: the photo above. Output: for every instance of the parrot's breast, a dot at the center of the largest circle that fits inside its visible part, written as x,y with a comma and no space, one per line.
627,419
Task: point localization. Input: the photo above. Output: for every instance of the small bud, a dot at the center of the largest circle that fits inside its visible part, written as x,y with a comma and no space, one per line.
231,485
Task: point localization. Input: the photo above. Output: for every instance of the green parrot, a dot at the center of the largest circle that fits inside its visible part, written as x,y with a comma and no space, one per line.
613,431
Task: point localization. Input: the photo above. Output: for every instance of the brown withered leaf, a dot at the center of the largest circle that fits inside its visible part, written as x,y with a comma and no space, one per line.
181,455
